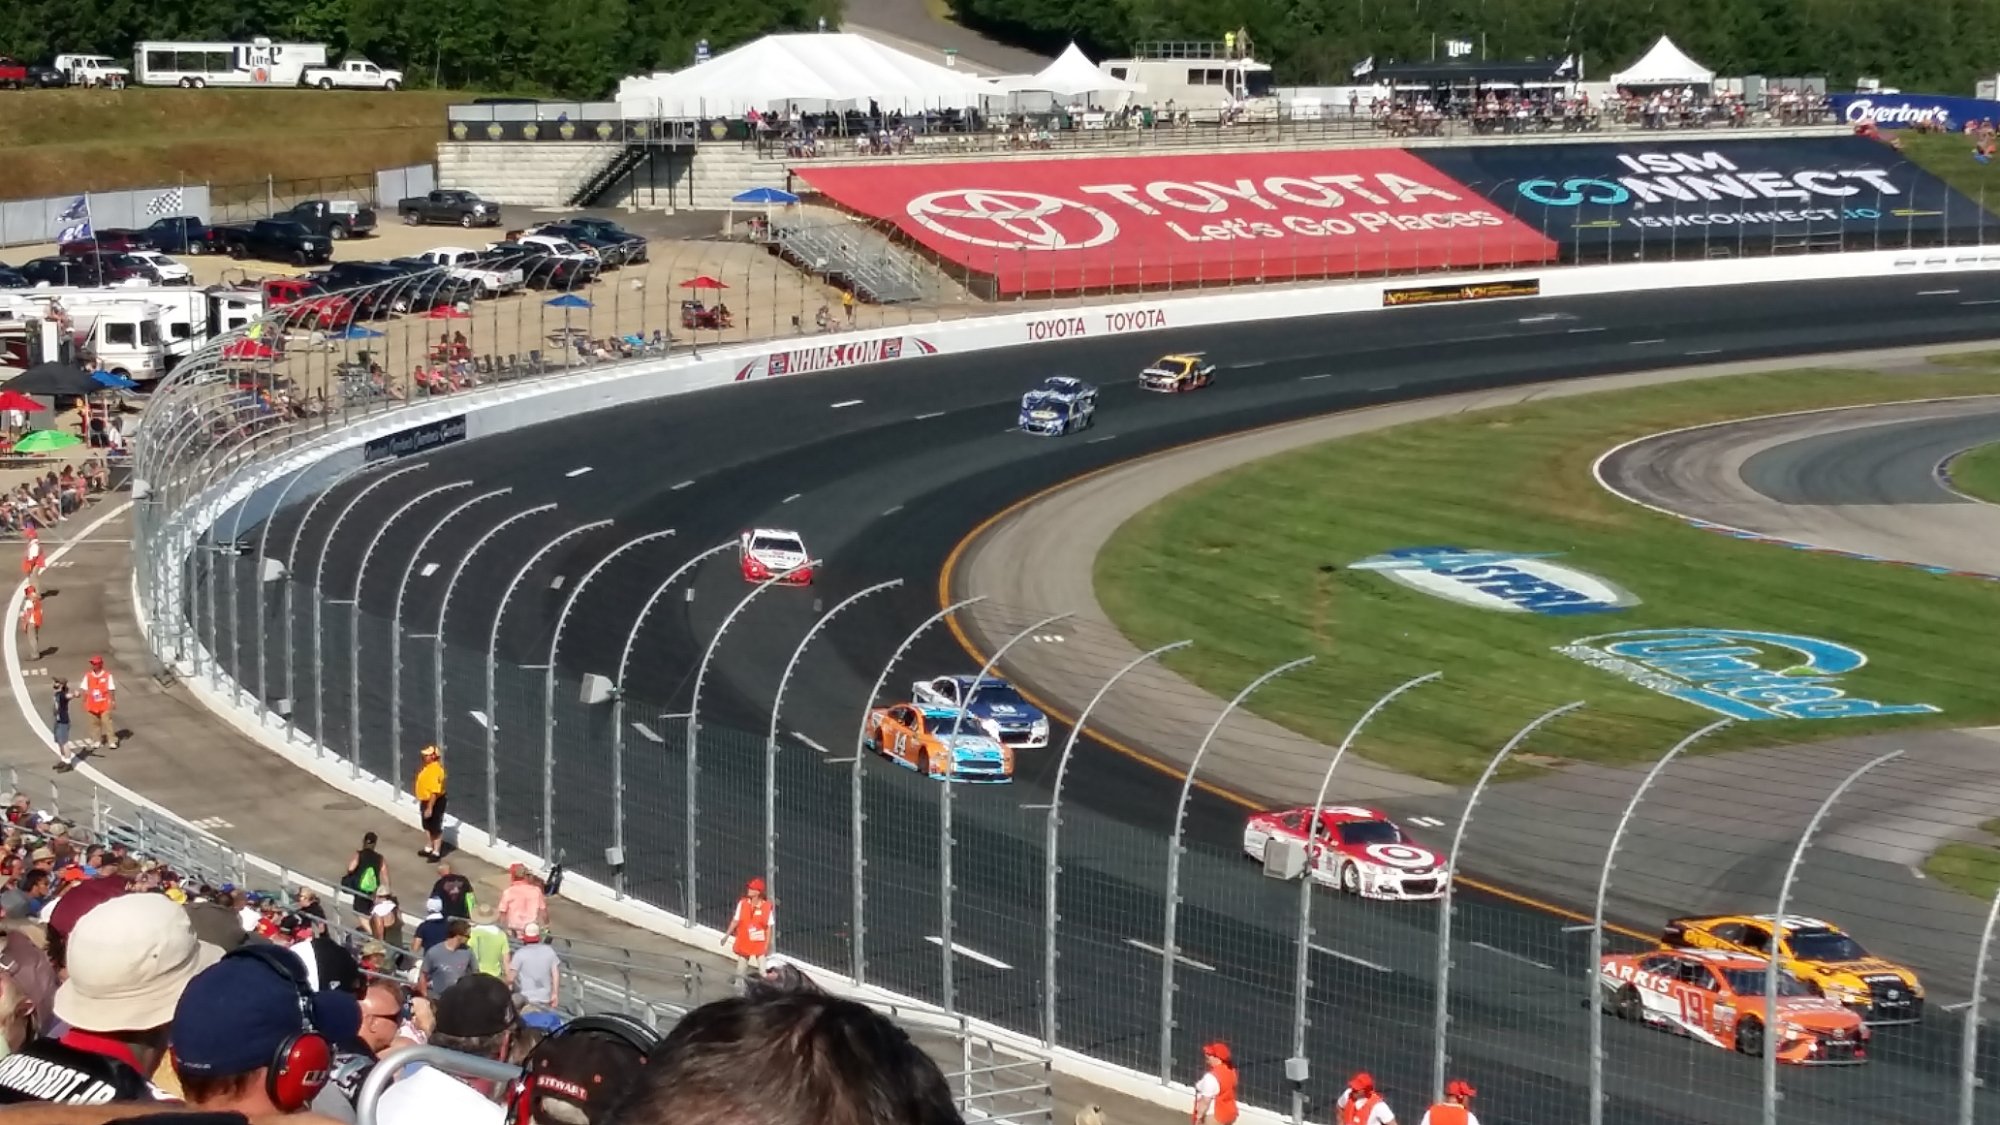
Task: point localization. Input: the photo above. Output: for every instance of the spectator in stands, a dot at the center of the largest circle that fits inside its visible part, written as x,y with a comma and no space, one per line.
522,903
579,1075
488,942
475,1016
129,960
794,1059
445,965
32,976
381,1011
367,873
535,971
237,1020
432,929
453,891
385,921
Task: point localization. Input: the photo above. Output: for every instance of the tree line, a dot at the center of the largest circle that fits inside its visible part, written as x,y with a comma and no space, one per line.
1938,46
572,49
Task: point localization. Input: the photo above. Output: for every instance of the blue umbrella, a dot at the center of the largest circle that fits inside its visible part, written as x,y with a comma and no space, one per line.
568,301
360,332
112,381
765,195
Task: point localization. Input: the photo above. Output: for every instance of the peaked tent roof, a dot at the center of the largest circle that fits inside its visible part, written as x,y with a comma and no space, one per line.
807,67
1664,65
1070,75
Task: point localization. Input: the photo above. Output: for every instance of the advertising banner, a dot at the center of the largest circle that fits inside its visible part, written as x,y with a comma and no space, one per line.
1909,111
1052,226
416,439
1459,293
1699,199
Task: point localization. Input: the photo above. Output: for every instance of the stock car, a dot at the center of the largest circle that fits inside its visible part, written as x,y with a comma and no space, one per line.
766,553
1717,997
1176,373
999,709
921,738
1360,850
1881,992
1061,405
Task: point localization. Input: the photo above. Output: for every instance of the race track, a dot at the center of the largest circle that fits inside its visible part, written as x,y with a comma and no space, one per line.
883,470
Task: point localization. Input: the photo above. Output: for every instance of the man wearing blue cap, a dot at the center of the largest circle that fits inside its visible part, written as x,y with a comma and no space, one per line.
249,1036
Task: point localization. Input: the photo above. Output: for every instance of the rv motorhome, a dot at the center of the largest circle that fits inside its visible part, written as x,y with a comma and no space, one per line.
1202,78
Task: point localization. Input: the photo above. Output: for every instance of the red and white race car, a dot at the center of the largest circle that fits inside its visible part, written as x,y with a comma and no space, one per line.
1360,850
767,553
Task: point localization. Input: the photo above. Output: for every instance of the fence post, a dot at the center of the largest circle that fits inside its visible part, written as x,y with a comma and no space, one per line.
1441,1015
1968,1052
292,569
354,622
444,608
396,634
264,553
1169,947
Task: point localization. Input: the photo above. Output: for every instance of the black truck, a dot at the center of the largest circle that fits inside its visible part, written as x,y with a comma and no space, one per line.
334,218
459,208
275,240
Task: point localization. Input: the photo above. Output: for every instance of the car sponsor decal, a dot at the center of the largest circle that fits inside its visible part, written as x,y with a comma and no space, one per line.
1743,674
1508,581
1399,855
1457,294
1054,226
830,357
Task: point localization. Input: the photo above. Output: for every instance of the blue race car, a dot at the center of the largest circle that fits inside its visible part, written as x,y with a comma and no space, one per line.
999,710
1059,406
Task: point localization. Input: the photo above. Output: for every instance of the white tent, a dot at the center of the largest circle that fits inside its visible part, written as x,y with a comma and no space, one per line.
1664,65
778,70
1071,75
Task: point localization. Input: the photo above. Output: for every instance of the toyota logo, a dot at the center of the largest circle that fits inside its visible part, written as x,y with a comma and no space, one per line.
1013,220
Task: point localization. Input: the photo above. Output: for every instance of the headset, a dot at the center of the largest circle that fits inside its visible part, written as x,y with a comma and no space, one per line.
300,1067
520,1100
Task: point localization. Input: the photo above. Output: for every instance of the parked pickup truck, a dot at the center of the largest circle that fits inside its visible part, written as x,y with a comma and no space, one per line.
487,277
275,240
461,207
334,218
13,73
93,70
353,74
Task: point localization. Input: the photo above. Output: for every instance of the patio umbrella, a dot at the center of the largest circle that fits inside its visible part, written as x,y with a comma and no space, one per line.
112,381
45,441
446,312
567,301
15,400
52,379
360,332
247,348
765,195
703,282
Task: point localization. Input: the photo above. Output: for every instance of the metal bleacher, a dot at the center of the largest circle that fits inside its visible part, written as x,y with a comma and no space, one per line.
874,269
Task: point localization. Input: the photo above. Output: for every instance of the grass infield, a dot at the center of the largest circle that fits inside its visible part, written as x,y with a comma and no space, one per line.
1976,472
1253,565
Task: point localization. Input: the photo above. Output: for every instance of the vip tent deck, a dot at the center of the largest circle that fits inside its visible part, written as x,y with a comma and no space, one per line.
1071,75
807,69
1664,65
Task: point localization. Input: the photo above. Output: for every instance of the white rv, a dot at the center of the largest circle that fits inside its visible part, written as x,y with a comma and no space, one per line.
142,333
259,62
1201,78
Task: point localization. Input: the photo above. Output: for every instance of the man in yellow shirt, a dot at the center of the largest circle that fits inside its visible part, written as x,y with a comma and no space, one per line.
429,790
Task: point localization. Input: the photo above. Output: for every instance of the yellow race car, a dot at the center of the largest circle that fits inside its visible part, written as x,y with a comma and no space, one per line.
1176,373
1819,953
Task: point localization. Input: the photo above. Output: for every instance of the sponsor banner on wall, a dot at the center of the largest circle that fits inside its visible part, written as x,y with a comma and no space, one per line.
416,439
1454,294
1599,200
832,357
1912,111
1743,674
1042,226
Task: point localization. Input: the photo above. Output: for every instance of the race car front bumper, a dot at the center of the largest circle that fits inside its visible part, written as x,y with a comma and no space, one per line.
1402,887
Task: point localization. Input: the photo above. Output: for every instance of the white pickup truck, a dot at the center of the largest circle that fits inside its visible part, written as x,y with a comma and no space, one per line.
487,277
93,70
353,74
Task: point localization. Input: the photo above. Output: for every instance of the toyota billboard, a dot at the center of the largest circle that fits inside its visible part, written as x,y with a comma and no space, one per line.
1052,226
1699,199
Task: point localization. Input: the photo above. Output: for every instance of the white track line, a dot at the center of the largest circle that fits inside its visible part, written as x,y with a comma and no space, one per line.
1511,955
974,954
1352,959
846,404
1158,952
577,472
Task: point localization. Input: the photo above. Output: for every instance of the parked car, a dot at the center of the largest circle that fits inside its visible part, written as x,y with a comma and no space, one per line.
609,230
608,251
544,268
11,278
335,218
182,234
13,73
353,74
487,278
111,240
93,70
57,270
276,240
46,77
165,269
432,286
459,207
377,289
307,302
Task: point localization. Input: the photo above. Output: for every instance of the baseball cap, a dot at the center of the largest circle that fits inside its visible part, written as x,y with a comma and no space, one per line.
82,899
754,885
128,961
431,752
97,662
1219,1049
477,1005
531,932
434,905
1459,1088
233,1016
578,1077
216,924
1361,1083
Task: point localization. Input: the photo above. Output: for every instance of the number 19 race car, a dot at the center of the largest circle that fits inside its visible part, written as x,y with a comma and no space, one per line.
1718,998
921,738
1879,991
1359,850
1061,405
1176,373
767,552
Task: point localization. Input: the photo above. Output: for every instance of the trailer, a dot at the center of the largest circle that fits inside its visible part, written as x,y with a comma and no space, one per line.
259,62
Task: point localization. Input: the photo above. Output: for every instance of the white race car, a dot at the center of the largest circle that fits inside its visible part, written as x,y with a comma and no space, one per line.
767,552
1360,850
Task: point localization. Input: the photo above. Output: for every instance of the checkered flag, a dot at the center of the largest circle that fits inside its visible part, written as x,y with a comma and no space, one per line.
166,203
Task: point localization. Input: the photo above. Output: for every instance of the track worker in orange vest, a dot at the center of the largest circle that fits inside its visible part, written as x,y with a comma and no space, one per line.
100,695
31,622
33,562
429,792
1359,1104
1453,1109
1215,1091
749,932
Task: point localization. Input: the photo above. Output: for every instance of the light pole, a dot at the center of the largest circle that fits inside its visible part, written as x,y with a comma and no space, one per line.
396,634
319,597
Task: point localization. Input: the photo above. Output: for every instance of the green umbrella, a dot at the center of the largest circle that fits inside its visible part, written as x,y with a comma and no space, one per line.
45,441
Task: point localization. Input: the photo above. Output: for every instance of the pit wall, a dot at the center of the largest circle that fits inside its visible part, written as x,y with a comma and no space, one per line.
494,411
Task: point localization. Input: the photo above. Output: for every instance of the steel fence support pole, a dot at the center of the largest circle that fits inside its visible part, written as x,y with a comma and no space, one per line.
618,704
320,599
1169,945
945,801
444,608
1441,1014
291,572
1968,1046
694,722
1772,1029
492,663
857,811
771,736
396,631
1303,951
1051,831
1596,957
549,685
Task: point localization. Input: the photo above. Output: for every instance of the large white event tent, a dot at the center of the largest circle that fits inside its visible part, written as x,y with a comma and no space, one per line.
1071,75
1664,65
811,70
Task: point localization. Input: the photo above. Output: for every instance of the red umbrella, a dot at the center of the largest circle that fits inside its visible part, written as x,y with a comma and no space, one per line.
15,400
703,282
446,312
247,348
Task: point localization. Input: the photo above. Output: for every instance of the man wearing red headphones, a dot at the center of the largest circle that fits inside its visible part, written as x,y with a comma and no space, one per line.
247,1035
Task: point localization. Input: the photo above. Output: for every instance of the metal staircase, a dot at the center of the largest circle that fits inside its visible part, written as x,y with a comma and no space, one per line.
597,183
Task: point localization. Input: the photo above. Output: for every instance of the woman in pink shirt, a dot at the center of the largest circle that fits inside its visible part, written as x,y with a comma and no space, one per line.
522,902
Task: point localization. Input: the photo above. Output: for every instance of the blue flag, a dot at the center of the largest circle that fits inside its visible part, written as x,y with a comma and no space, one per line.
79,208
78,233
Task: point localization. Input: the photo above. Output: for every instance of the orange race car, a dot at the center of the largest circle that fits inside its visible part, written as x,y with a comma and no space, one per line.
920,738
1718,998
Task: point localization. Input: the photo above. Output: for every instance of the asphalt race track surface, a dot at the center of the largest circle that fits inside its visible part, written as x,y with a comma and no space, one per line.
884,470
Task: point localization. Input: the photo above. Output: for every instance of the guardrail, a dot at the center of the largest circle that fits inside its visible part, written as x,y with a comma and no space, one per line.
207,484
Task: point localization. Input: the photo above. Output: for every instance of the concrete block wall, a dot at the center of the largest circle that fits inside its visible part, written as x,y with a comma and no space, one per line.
725,170
530,174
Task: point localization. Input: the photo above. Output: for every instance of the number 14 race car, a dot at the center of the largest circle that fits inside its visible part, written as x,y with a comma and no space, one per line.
1718,998
1359,850
1176,373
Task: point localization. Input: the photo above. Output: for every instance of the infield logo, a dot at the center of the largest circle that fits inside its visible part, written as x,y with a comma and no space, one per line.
1741,674
1499,580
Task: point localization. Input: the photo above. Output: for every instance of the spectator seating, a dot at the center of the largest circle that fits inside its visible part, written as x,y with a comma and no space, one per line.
873,268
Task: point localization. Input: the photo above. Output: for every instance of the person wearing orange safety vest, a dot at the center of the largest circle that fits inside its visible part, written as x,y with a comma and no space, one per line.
100,695
31,622
33,562
1215,1093
1359,1104
1452,1110
749,932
